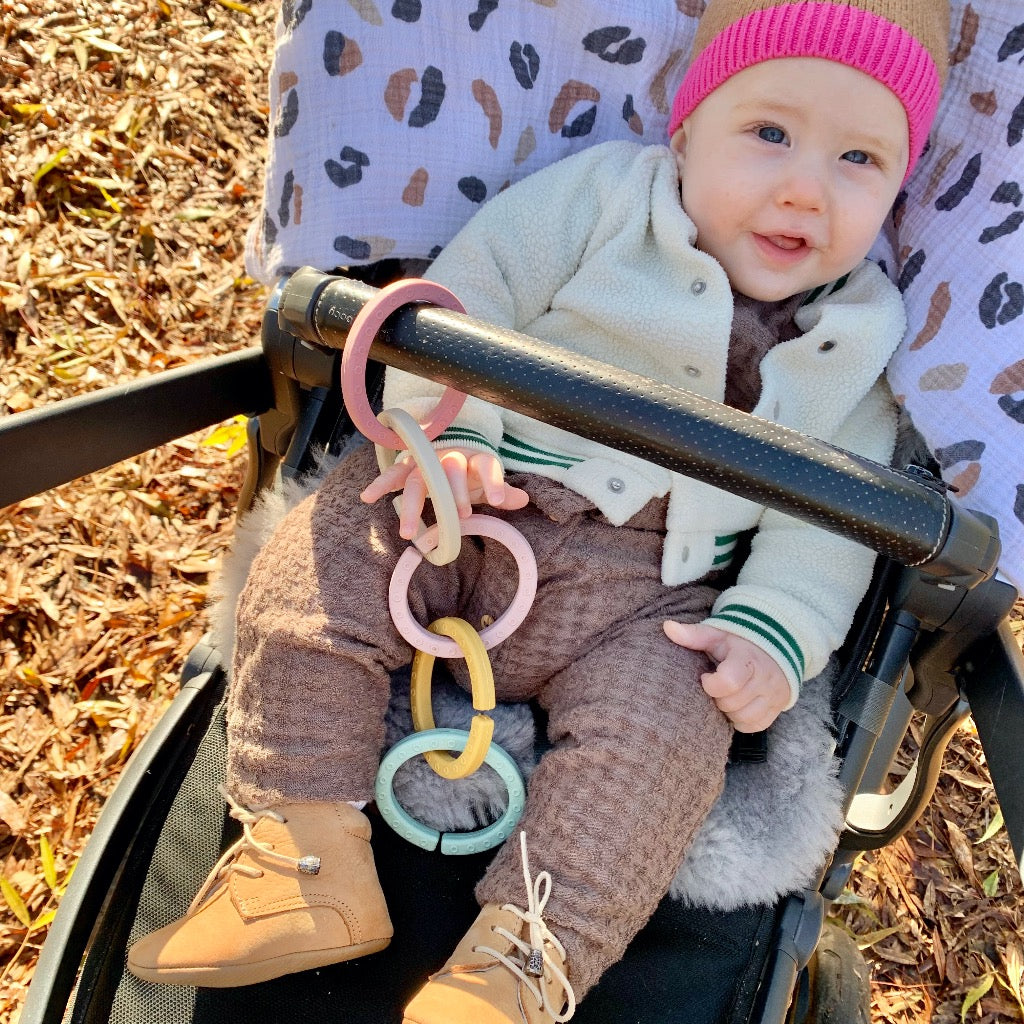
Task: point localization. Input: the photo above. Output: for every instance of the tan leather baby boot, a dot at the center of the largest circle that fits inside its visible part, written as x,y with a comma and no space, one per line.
299,890
508,969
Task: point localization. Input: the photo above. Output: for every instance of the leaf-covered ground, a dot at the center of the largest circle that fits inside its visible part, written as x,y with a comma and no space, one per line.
131,143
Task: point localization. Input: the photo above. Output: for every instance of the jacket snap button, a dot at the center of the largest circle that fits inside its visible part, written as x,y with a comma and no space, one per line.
693,371
615,485
826,346
698,287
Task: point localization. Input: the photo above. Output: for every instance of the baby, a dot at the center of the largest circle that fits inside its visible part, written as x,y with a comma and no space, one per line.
730,263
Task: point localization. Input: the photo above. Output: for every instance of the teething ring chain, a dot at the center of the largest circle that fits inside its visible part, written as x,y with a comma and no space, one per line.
475,525
412,436
481,679
395,429
365,326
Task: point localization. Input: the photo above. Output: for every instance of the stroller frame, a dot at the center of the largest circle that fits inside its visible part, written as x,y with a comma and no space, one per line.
932,637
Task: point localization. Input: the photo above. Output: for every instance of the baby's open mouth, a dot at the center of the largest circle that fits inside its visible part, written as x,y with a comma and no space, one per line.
786,249
786,241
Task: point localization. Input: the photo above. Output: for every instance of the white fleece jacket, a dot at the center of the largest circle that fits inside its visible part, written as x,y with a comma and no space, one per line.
595,254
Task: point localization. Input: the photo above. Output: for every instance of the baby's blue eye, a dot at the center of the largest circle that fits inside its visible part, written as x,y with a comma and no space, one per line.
770,133
857,156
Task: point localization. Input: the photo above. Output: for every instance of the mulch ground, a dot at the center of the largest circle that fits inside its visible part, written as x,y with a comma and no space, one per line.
131,146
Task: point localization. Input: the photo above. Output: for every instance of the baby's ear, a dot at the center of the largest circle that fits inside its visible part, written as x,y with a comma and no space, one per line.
678,141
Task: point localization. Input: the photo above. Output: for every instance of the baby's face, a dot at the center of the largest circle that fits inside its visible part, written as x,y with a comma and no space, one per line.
789,169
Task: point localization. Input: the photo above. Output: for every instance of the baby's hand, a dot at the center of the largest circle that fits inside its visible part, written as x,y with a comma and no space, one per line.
474,476
747,685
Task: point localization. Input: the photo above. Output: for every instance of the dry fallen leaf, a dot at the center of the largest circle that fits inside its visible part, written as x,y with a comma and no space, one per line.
961,849
12,814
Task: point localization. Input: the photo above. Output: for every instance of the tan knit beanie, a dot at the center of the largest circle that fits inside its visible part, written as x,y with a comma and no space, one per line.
901,43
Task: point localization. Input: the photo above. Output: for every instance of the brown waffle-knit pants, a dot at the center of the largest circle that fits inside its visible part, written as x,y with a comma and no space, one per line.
639,750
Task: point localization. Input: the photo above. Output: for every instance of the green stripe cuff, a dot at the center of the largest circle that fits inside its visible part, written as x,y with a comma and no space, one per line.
462,435
516,450
787,657
765,626
529,460
516,442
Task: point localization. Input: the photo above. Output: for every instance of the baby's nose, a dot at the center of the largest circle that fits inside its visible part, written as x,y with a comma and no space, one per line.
804,186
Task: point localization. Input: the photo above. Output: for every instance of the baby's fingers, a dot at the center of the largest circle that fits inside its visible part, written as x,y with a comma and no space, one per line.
455,467
752,717
727,699
392,479
729,680
512,498
414,497
488,474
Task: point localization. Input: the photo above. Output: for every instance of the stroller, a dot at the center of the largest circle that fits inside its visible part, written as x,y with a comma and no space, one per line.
932,638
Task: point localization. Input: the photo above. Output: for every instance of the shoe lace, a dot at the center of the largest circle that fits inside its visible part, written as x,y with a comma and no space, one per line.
228,863
535,959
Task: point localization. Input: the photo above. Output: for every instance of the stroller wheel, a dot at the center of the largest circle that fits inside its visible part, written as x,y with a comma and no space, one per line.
834,988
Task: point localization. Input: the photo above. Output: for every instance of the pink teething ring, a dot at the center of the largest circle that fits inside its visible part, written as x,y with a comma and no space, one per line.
364,328
475,526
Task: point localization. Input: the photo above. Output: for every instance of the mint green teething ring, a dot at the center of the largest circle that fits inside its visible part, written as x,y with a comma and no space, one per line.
455,843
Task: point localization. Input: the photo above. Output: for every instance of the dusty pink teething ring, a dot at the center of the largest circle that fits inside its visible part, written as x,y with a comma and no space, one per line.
364,328
475,526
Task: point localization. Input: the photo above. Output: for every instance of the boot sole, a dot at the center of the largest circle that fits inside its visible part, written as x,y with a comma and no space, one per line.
236,975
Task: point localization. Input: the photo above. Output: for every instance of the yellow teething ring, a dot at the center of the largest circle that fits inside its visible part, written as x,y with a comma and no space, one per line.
482,682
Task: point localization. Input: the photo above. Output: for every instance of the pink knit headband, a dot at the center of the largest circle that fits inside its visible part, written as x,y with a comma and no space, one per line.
848,35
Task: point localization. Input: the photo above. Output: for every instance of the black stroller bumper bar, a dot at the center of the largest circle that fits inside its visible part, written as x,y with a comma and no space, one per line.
895,513
901,515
